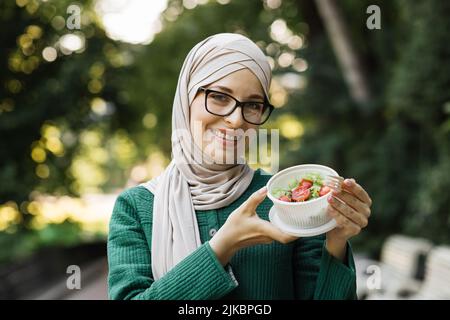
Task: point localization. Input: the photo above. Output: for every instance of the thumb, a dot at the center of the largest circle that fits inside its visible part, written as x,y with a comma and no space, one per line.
255,199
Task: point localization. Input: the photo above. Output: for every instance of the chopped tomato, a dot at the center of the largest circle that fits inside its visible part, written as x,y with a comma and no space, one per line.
324,190
300,194
305,184
285,198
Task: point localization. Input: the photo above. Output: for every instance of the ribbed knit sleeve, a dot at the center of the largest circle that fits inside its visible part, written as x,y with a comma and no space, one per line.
199,276
319,275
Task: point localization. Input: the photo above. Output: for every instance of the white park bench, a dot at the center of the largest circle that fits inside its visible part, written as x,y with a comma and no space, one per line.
401,268
436,285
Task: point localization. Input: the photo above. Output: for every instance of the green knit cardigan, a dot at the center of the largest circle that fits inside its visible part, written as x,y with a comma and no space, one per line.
302,269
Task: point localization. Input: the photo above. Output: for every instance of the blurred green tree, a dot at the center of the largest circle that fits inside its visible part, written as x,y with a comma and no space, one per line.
52,82
400,149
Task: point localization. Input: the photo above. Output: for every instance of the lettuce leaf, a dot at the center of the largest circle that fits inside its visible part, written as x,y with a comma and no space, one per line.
278,192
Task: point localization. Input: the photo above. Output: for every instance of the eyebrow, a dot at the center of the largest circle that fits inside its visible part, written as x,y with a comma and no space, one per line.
228,90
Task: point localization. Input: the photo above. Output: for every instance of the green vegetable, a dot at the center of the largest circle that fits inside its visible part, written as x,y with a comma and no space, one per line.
316,179
314,191
278,192
293,184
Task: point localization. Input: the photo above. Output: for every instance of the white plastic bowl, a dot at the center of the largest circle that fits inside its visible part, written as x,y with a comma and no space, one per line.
303,215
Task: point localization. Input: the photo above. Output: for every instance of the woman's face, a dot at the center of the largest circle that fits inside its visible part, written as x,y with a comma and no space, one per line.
209,130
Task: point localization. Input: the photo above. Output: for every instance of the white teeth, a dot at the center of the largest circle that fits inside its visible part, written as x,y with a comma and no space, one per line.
222,135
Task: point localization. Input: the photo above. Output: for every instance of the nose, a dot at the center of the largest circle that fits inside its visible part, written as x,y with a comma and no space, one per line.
235,119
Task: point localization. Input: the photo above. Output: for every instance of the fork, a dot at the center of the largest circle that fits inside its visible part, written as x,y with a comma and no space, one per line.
334,182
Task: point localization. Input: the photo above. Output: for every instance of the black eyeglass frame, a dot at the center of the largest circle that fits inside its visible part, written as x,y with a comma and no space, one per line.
238,104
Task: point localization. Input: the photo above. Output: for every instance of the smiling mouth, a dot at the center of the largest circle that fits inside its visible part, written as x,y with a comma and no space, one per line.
221,135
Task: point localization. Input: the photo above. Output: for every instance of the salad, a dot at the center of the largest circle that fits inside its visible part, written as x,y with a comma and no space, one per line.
308,187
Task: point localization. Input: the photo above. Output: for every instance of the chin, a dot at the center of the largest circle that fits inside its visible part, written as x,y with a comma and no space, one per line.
225,156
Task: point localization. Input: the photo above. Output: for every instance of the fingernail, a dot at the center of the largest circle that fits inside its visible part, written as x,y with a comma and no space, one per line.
348,182
262,190
330,198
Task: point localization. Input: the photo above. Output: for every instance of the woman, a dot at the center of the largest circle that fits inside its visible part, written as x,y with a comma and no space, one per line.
200,230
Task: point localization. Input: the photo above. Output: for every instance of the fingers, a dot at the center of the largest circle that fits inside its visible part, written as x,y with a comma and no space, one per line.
342,221
357,190
274,233
348,212
255,199
351,200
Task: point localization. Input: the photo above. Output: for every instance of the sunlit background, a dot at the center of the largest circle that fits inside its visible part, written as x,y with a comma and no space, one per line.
84,113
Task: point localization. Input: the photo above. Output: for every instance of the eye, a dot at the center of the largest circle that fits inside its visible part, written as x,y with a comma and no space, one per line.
254,106
219,97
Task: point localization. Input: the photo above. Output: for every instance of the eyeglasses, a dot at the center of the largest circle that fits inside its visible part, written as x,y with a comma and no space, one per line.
222,104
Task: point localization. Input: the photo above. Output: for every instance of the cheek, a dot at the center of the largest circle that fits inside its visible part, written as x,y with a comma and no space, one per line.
200,119
247,127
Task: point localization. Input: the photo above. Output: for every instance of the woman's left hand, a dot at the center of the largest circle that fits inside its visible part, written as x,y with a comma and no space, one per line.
351,210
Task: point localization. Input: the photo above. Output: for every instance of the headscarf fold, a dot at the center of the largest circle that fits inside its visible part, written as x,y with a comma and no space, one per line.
187,185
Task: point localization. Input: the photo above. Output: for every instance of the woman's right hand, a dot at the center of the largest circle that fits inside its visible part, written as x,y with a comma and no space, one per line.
245,228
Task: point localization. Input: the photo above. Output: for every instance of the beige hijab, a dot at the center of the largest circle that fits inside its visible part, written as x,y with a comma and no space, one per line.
186,185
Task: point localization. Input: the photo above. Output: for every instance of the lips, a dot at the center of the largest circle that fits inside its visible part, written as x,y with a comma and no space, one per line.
226,137
226,134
